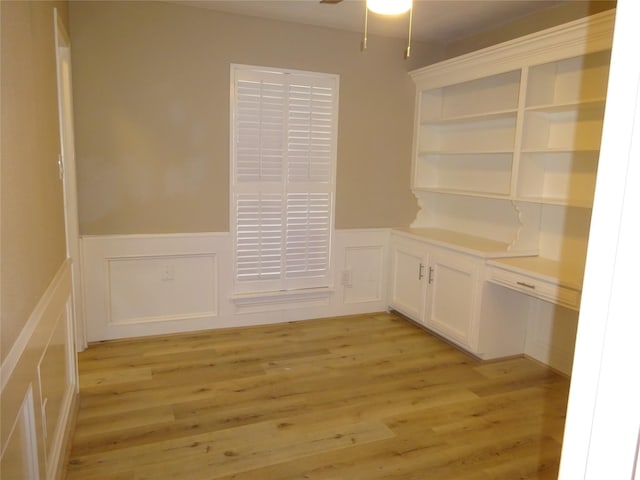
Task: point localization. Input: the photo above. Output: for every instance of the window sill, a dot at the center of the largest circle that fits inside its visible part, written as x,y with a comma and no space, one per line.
269,301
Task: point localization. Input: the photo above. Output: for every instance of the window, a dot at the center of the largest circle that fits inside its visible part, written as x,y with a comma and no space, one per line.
283,151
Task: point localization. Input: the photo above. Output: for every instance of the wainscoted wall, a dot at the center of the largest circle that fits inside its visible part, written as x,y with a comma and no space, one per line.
138,285
39,386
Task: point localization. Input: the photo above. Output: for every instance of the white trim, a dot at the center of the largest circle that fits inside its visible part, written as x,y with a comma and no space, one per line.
164,318
155,236
28,414
269,301
569,39
68,172
59,449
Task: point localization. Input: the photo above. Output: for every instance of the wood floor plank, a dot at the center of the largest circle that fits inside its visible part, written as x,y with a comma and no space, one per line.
115,376
105,425
202,417
228,451
360,397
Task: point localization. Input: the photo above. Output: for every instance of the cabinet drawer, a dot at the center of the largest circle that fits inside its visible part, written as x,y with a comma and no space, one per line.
535,287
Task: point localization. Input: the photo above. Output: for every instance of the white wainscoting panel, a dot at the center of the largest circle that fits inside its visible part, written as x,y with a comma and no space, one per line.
58,385
137,285
362,274
160,288
39,387
361,258
20,452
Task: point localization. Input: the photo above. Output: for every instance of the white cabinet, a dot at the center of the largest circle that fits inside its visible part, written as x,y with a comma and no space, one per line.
453,294
409,260
436,287
443,288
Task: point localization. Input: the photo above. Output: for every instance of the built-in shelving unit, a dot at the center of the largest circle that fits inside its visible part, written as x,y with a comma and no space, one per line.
506,149
519,123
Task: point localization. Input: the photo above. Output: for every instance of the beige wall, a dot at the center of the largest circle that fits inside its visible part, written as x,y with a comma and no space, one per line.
571,10
151,87
151,93
32,216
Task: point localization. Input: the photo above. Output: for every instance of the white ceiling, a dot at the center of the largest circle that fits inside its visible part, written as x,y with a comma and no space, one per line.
433,20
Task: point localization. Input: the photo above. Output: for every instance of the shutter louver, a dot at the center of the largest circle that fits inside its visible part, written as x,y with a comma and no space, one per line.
308,235
309,134
259,237
284,131
259,131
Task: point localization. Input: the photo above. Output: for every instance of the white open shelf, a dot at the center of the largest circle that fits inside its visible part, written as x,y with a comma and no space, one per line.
571,80
480,118
497,93
577,127
482,173
478,135
563,177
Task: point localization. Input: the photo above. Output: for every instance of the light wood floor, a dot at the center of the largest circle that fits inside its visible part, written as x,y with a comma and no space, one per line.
363,397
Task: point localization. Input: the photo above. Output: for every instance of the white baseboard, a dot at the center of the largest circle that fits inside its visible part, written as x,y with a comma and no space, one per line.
39,387
137,285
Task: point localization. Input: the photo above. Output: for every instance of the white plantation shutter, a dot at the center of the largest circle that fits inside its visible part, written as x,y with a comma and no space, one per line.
284,129
259,236
260,122
307,235
309,133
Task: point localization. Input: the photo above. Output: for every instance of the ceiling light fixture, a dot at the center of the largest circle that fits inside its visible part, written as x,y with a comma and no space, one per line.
388,7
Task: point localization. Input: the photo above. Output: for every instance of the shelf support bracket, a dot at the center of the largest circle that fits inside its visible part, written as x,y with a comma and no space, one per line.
516,237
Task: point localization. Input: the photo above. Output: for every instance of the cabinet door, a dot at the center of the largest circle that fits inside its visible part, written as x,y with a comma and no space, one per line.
408,280
452,299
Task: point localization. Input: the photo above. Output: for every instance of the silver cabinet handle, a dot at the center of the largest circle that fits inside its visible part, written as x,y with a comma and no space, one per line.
430,275
526,285
420,271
